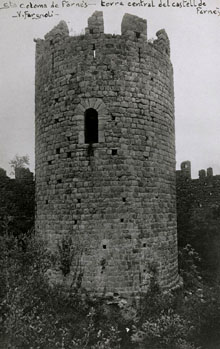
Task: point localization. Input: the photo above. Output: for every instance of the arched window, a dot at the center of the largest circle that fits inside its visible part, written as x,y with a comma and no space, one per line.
91,126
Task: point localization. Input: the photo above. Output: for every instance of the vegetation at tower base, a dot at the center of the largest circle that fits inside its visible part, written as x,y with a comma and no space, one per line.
35,315
105,155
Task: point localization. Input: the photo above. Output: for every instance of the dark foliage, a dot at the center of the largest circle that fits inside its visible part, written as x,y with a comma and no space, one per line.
33,314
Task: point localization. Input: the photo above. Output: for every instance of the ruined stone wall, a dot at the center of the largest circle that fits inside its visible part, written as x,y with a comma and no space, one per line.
198,214
114,199
16,201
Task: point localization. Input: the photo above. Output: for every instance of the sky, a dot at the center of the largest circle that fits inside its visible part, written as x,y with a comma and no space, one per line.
195,54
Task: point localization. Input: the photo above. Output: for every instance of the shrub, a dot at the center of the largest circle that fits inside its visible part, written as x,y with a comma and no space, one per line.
33,314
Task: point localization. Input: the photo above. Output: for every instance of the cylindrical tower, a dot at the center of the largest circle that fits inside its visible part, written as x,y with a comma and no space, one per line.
105,156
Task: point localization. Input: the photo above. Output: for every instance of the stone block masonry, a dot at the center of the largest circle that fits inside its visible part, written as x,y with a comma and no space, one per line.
105,156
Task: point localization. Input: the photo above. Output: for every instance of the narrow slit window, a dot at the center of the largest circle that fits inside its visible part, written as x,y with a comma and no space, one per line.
91,126
52,61
93,48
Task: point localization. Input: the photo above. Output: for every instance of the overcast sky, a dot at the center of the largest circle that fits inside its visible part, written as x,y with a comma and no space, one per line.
195,54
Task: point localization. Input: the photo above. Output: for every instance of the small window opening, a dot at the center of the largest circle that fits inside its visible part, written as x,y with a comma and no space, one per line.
91,126
122,219
138,35
91,31
75,221
94,53
52,61
56,121
79,201
144,270
144,244
58,151
49,162
152,79
68,138
59,181
104,247
46,202
113,117
56,100
139,54
124,199
69,154
114,151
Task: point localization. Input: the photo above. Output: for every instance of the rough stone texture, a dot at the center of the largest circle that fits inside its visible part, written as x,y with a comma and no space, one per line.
17,201
198,214
114,200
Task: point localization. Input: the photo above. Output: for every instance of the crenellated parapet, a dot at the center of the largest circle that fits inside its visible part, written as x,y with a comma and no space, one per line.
185,172
24,175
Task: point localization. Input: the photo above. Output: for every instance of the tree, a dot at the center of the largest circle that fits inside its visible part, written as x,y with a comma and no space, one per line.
19,162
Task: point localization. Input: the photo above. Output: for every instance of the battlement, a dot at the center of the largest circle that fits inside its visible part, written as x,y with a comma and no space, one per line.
185,172
133,30
95,24
24,174
21,175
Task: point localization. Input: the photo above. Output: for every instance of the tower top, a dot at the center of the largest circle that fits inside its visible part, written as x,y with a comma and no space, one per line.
132,27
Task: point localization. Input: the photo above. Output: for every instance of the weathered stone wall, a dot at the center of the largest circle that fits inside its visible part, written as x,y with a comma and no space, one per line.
114,199
16,201
198,214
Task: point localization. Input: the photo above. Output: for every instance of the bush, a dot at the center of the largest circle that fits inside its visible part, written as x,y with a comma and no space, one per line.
35,315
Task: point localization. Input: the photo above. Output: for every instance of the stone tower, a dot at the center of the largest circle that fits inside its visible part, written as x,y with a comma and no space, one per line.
105,156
